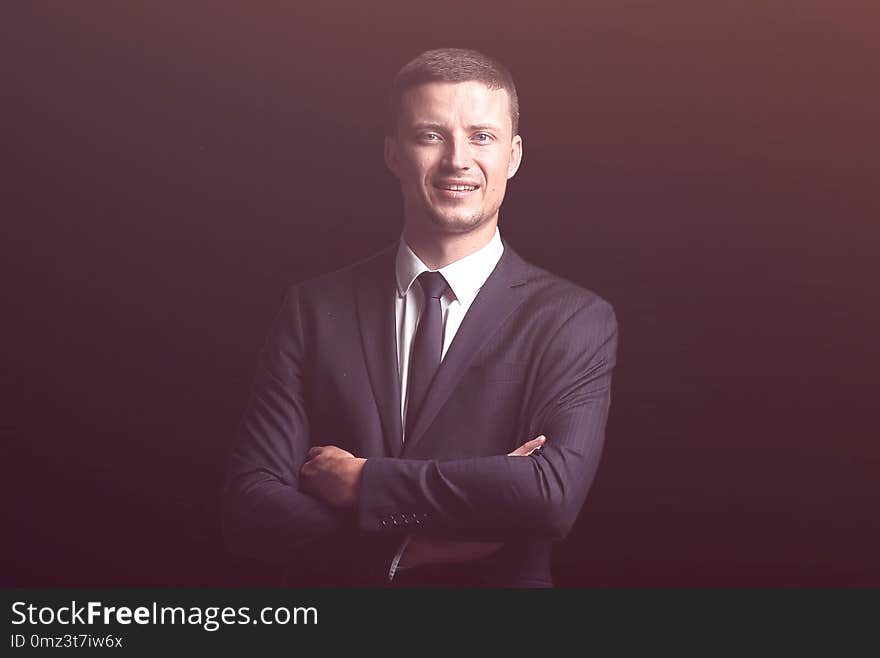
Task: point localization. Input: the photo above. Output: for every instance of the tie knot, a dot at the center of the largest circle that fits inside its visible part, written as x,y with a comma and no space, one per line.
433,284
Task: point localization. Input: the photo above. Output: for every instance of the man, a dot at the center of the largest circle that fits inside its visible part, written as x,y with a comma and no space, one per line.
434,414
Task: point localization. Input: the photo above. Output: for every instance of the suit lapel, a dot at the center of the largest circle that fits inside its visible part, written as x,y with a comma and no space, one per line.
500,295
376,315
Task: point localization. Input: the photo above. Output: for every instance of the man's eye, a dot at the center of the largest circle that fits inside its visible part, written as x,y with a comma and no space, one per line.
430,137
483,137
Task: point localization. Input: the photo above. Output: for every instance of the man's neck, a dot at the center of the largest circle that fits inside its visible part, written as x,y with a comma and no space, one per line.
438,250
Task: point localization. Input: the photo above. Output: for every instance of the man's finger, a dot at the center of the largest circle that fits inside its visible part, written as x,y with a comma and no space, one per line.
528,447
314,452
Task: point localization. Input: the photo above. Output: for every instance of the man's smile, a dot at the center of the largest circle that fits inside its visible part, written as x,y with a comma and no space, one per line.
455,189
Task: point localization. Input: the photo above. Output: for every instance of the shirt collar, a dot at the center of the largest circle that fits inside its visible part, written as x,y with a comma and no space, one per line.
465,276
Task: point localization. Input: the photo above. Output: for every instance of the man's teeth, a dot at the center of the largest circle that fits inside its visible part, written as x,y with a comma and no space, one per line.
459,188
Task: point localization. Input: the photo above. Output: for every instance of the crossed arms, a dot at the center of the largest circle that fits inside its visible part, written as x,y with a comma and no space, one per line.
285,497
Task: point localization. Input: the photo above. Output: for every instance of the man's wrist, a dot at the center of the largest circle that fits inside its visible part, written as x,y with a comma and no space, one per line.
352,503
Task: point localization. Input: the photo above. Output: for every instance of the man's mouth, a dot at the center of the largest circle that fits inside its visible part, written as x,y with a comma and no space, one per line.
455,190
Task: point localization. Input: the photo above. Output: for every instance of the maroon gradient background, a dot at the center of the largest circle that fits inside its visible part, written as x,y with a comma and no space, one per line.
711,168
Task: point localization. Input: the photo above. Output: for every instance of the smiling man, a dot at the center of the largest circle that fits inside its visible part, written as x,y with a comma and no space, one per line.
454,148
433,415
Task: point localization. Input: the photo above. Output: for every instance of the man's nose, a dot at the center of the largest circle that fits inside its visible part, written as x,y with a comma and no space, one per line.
458,153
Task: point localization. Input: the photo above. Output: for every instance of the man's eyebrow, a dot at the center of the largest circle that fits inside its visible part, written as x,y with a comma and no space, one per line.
422,125
485,126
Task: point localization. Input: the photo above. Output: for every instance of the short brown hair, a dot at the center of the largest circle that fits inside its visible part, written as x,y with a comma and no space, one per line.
453,65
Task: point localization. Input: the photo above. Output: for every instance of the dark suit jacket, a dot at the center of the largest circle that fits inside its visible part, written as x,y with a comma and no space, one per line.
533,356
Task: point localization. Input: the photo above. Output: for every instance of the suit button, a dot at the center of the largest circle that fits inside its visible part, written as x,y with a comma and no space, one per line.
384,523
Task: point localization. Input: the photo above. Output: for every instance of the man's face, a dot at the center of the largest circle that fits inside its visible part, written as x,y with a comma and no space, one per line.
453,154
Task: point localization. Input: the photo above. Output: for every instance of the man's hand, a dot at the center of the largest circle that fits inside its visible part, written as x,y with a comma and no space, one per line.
333,475
528,447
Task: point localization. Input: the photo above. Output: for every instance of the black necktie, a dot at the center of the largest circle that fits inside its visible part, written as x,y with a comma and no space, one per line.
427,345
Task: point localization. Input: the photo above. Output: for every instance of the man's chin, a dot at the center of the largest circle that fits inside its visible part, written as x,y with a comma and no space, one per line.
457,223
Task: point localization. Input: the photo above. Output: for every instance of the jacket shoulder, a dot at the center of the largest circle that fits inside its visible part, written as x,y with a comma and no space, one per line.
548,290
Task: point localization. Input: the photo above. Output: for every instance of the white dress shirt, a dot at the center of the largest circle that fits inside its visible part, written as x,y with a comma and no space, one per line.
465,278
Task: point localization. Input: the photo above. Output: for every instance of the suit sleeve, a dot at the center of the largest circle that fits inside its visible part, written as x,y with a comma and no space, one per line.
499,498
264,515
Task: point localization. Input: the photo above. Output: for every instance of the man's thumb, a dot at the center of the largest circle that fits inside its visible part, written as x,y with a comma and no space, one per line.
528,447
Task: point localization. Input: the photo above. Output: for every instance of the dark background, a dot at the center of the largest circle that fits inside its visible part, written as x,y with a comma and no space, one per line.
711,168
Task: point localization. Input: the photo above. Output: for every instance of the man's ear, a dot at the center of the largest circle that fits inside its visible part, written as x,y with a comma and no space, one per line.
516,154
391,159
